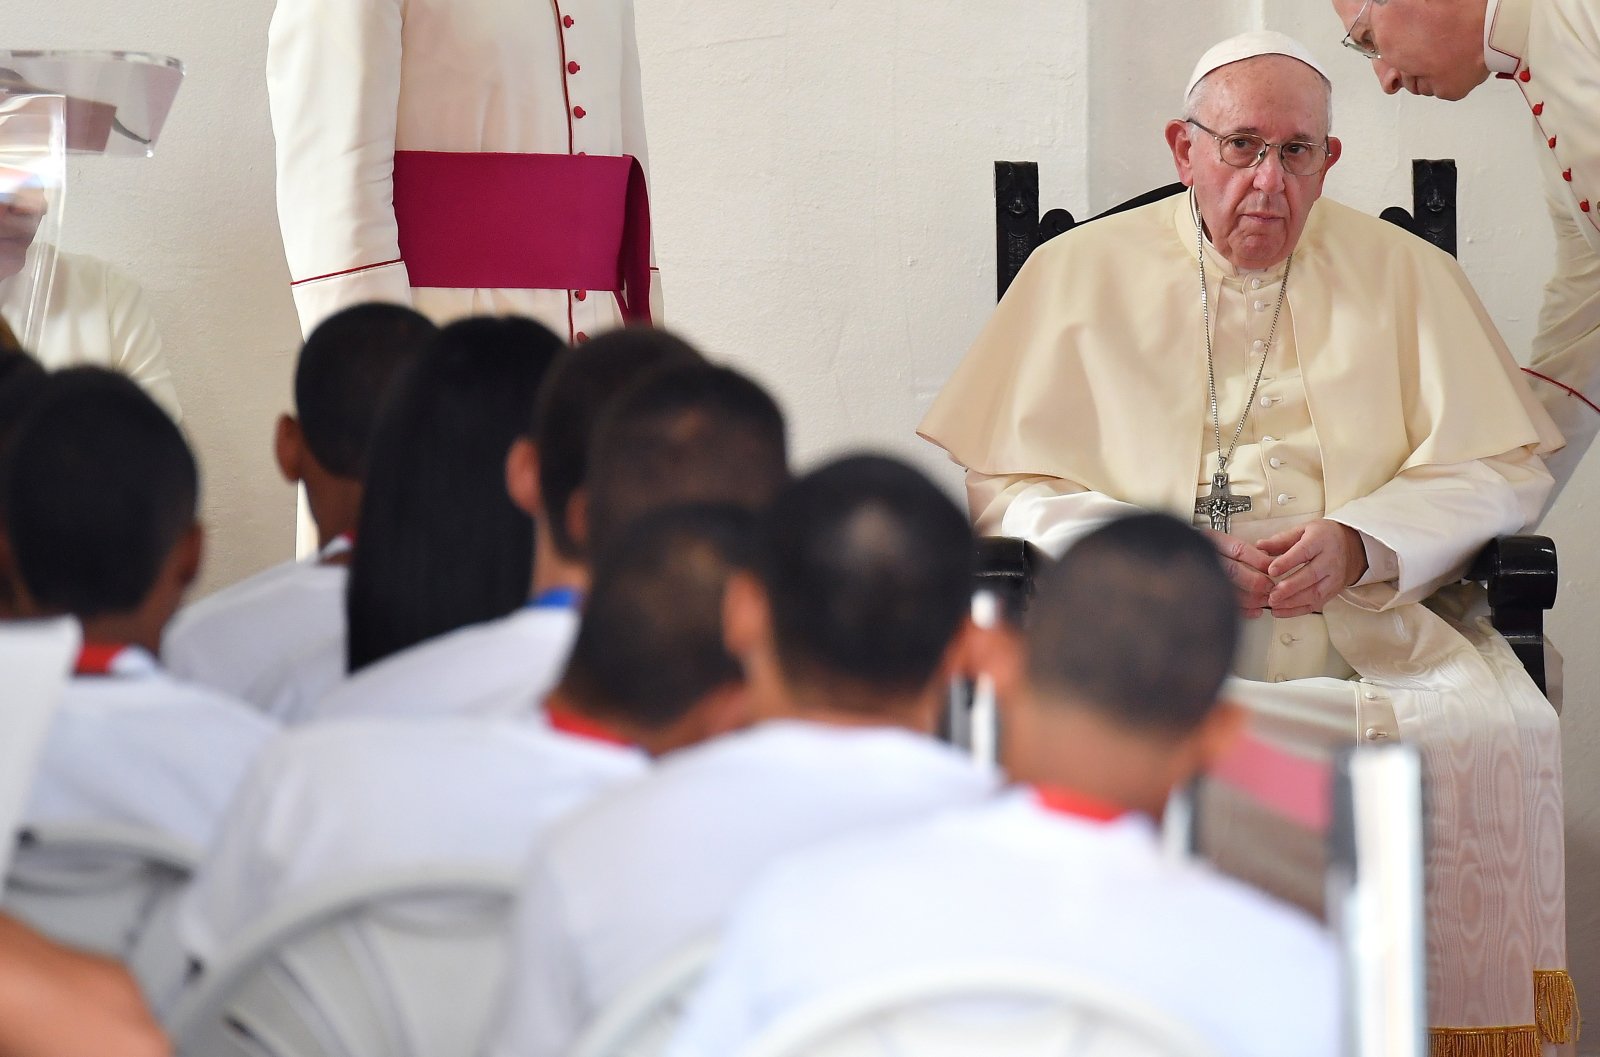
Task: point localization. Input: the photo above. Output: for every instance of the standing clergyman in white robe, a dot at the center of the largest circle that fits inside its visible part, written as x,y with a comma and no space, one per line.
1383,435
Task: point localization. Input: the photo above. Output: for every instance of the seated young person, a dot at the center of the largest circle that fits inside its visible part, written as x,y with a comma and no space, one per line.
241,639
848,632
1130,638
513,659
101,524
337,801
442,547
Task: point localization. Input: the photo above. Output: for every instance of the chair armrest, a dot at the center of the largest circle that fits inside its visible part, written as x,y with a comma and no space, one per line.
1520,575
1008,566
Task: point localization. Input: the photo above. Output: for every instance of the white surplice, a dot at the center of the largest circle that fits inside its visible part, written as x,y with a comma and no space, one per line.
633,877
1009,882
1390,405
140,748
338,802
352,81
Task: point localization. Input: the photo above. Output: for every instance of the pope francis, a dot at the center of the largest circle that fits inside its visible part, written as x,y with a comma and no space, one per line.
1326,395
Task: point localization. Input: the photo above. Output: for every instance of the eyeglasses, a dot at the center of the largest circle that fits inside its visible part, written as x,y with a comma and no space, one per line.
1362,46
1245,151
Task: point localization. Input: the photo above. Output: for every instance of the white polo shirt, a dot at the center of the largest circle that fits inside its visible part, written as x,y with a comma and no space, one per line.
138,747
247,640
331,803
1015,882
501,667
635,876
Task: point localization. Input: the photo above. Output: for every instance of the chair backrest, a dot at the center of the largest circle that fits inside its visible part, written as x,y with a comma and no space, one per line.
639,1021
994,1010
36,657
404,966
107,888
1365,804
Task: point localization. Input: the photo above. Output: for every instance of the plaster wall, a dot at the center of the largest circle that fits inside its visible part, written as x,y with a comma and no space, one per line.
822,188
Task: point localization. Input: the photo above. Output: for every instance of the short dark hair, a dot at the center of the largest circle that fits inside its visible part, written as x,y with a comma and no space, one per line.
1137,620
21,380
581,383
693,434
868,568
441,544
342,375
650,645
99,487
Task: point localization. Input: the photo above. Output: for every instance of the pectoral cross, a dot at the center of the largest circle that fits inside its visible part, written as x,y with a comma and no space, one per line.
1220,504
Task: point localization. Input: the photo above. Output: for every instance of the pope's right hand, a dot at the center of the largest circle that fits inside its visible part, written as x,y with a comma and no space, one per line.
1246,566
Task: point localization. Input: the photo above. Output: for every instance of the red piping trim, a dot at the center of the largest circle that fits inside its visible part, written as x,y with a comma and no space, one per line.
1496,50
1559,385
1571,188
566,94
348,271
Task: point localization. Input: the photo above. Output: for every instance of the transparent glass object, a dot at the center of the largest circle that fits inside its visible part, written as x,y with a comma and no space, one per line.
116,101
33,178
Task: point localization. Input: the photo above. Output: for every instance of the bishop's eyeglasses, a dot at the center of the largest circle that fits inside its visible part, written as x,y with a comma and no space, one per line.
1243,150
1363,44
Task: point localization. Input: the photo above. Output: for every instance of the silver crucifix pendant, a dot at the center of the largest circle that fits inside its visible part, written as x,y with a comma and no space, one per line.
1220,504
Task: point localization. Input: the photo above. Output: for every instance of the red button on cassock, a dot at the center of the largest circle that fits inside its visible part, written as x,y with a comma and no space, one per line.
573,67
581,295
1552,143
567,21
1584,205
579,111
581,337
1567,175
1538,108
1525,76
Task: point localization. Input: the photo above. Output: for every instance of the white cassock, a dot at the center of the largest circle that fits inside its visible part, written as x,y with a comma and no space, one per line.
1550,50
37,659
1013,882
461,156
245,639
1393,408
501,667
96,317
139,748
641,873
338,802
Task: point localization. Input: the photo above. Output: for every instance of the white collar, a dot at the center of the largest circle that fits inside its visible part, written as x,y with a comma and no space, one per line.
1498,61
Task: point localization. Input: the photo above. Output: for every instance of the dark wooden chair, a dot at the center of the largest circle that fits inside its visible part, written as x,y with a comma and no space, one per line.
1519,572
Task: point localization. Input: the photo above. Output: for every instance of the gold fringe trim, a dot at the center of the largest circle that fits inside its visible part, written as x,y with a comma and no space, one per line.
1555,1006
1516,1041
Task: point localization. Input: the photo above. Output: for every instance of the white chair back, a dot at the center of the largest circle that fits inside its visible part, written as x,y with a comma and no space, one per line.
407,966
35,663
107,888
995,1011
640,1021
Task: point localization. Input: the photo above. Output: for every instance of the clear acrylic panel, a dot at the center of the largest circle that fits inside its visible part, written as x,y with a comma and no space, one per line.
33,178
116,101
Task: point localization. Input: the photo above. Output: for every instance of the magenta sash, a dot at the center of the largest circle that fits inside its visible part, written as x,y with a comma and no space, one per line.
526,222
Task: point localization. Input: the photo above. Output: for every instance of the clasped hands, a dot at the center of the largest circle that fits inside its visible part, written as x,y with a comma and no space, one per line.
1295,572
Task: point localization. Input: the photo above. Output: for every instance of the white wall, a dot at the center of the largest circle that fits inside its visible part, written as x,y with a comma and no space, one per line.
822,186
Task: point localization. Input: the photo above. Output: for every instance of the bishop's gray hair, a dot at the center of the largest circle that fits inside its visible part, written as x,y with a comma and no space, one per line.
1202,89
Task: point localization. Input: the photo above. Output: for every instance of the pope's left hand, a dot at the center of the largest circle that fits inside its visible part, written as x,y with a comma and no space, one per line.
1312,563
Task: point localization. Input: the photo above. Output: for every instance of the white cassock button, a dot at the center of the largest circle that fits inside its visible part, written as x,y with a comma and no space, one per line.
1261,306
1268,401
1287,639
1370,695
1268,439
1255,284
1258,345
1374,734
1284,498
1275,462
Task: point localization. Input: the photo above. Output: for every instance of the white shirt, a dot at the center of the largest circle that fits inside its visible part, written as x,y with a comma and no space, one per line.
141,748
96,317
635,876
334,802
501,667
245,639
1010,881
